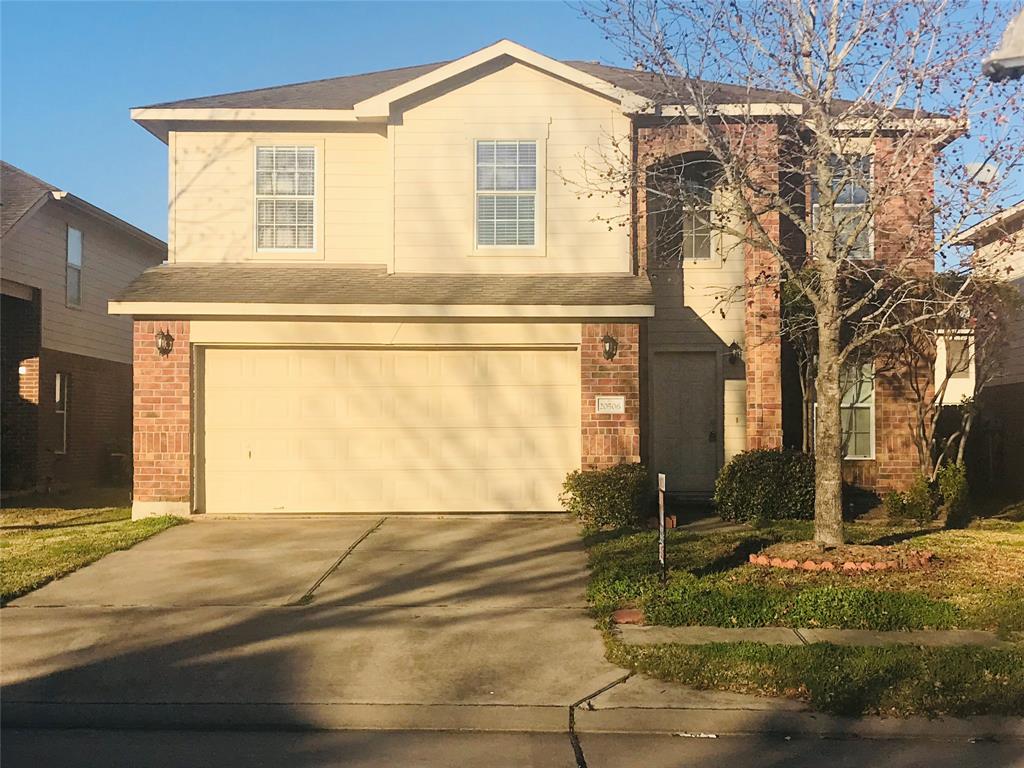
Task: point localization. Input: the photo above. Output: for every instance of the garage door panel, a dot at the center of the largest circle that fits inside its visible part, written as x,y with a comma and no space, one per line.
332,430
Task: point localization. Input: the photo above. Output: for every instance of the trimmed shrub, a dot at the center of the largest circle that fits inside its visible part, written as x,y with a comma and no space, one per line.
917,503
759,486
615,497
953,488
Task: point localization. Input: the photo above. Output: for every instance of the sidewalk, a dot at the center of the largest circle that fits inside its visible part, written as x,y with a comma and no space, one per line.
643,635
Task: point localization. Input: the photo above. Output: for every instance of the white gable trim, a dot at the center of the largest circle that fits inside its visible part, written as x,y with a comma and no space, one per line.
379,107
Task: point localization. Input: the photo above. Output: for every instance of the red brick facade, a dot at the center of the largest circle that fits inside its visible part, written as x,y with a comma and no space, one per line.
91,442
163,414
610,438
902,228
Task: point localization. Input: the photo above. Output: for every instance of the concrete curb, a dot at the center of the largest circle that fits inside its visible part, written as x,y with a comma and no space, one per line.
497,718
286,716
736,722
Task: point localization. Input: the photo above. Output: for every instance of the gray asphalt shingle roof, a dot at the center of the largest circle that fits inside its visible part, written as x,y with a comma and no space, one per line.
345,92
19,191
293,284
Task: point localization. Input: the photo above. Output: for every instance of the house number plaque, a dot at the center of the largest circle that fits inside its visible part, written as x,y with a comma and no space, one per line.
611,404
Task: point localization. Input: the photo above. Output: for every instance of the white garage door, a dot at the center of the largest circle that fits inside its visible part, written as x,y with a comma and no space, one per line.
368,430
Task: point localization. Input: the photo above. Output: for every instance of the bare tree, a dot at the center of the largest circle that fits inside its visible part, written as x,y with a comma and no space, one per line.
838,147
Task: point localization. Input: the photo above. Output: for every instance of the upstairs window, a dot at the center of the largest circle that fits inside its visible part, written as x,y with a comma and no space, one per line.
851,181
285,198
681,210
73,269
858,411
506,193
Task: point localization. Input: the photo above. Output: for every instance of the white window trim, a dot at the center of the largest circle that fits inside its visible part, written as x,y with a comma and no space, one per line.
287,254
870,406
61,408
538,134
871,220
68,266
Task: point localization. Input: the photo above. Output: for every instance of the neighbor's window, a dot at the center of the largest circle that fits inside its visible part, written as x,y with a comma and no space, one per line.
285,198
958,358
858,411
506,193
62,391
73,274
851,180
680,200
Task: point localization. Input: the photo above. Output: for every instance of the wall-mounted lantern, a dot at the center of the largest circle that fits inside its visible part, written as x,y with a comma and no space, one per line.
611,347
164,343
735,353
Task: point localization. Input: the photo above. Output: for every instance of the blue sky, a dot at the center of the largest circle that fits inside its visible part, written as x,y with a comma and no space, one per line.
69,72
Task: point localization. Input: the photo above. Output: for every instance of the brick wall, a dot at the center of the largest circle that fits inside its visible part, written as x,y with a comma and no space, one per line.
99,419
19,351
762,341
608,438
163,414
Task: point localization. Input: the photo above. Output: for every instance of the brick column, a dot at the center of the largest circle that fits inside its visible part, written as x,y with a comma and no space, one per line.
610,438
762,321
162,389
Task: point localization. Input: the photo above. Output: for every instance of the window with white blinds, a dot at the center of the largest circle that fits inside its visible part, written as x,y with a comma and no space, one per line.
285,198
506,193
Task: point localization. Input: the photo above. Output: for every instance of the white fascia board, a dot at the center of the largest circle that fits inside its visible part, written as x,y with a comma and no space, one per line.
210,309
776,109
248,115
379,107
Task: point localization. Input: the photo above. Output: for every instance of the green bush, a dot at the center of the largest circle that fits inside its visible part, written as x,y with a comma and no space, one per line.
759,486
917,503
953,488
616,497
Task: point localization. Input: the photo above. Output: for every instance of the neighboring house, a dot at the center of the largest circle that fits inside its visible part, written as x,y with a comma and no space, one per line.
1007,61
67,387
997,446
386,292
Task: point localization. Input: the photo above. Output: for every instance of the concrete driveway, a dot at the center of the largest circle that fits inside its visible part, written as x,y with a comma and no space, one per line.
322,622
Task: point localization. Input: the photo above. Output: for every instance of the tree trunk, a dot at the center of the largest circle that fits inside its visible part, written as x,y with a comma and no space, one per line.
828,437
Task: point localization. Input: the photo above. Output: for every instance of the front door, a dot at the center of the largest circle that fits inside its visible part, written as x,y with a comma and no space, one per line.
685,420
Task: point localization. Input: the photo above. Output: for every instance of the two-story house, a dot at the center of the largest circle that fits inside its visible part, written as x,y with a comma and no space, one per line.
997,446
67,381
392,292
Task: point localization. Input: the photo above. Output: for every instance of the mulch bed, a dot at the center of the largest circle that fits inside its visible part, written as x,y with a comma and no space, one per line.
850,558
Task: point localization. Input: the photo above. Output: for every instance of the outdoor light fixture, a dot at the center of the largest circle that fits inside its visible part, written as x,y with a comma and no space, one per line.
734,353
164,342
611,347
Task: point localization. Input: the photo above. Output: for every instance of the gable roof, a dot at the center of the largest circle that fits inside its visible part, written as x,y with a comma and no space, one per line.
1007,61
347,92
998,224
369,96
22,194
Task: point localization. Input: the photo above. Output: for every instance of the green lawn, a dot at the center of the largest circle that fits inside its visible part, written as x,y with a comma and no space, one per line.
39,544
976,584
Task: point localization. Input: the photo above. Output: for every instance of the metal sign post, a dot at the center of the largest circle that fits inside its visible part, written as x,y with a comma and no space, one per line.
661,526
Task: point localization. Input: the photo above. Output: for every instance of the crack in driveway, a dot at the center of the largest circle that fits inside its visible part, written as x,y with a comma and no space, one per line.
307,597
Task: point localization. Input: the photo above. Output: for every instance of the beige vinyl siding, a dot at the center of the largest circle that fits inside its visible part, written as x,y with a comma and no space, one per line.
1005,258
434,175
403,194
35,254
709,288
214,199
